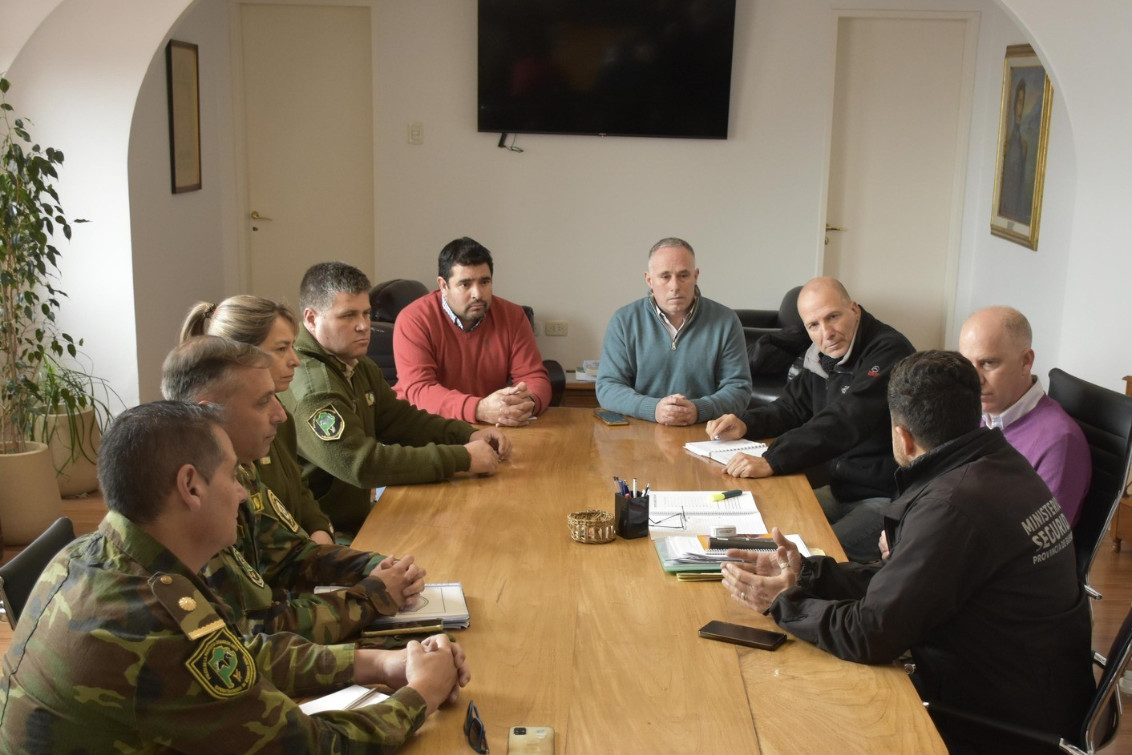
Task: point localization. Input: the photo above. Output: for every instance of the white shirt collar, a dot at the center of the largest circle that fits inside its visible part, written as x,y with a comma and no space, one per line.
1018,409
454,318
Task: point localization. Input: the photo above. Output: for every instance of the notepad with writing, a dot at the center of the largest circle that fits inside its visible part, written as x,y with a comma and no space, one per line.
699,503
723,450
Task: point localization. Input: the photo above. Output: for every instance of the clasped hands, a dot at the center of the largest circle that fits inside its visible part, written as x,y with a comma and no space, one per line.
730,427
511,406
759,578
403,579
436,668
676,410
487,448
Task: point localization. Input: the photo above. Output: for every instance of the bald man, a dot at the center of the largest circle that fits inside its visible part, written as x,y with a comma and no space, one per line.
835,413
997,340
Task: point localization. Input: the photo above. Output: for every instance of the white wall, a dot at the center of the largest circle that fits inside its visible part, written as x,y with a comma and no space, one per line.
570,220
752,205
1085,45
182,246
994,270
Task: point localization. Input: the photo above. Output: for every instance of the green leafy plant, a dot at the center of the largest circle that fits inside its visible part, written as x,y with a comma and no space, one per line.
31,344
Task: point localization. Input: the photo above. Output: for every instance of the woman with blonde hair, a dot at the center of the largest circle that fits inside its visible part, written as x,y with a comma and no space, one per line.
272,327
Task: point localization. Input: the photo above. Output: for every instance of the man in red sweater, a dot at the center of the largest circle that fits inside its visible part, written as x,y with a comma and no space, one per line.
465,354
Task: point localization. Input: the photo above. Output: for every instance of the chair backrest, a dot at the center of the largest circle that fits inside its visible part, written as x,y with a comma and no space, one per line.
18,576
1103,716
1105,417
387,299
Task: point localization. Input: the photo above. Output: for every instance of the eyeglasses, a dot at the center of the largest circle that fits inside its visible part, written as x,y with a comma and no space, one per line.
473,729
676,521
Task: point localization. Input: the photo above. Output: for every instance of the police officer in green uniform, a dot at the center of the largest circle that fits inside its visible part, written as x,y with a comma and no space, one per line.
268,576
123,647
354,434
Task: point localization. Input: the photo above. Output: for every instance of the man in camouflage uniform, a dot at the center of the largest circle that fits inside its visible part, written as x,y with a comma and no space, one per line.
354,434
268,577
123,647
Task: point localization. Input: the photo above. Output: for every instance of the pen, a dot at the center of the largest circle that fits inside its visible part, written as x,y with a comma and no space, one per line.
726,495
438,627
634,487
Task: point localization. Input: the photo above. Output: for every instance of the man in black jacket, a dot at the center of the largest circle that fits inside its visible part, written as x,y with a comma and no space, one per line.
981,583
833,414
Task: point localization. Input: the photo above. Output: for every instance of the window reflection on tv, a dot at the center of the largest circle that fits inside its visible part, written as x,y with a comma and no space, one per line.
609,67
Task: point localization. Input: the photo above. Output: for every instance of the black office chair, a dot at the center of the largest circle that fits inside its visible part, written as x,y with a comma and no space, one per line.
386,300
1102,718
775,338
18,576
1106,418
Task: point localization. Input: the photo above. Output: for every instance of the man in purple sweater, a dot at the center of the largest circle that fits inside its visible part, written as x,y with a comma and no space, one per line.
997,341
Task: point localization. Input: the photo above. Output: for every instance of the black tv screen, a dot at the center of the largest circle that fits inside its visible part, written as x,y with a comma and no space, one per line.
608,67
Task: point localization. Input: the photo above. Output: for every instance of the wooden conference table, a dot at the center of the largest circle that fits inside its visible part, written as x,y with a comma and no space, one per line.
596,640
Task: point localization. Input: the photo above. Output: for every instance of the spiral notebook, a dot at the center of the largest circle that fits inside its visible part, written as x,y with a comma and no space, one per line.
723,450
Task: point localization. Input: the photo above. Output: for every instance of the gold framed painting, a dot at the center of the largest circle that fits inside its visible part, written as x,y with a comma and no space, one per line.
184,115
1023,135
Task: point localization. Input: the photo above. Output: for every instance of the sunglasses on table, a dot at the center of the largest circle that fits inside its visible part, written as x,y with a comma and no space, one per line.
473,729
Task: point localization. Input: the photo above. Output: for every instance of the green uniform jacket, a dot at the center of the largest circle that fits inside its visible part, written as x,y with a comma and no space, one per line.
121,649
354,434
280,472
268,577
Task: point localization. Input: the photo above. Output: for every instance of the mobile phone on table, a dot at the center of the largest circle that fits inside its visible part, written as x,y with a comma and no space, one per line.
610,418
740,635
530,740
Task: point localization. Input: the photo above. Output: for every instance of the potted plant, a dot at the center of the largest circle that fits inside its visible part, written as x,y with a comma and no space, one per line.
72,414
30,340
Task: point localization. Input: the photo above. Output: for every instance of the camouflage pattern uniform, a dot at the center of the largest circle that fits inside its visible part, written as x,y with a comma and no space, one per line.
355,434
268,577
280,471
120,650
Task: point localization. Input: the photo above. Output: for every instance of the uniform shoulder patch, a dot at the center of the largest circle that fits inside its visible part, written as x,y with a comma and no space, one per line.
281,512
327,423
222,665
186,604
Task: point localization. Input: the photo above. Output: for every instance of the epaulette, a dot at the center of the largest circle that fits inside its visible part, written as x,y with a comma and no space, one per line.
185,603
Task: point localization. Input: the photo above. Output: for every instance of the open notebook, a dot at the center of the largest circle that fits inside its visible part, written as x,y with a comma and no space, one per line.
723,450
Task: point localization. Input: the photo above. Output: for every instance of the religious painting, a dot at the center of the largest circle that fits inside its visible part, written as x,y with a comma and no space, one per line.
1023,134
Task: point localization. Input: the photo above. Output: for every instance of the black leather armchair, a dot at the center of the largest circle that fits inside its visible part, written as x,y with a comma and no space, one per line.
776,339
386,302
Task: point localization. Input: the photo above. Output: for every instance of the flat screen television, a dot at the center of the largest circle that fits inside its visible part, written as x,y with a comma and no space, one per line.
607,67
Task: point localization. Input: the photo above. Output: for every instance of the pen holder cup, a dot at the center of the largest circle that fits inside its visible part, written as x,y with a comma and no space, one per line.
631,516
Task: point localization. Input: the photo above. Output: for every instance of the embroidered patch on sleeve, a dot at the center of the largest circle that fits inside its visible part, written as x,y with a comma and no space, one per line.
281,512
222,665
247,568
327,423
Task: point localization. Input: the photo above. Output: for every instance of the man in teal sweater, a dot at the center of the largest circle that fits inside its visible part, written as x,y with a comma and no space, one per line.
674,357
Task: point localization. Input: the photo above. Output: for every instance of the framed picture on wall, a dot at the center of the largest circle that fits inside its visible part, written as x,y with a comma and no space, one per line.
184,115
1023,134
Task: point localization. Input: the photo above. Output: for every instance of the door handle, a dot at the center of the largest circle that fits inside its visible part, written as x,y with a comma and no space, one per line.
256,216
829,228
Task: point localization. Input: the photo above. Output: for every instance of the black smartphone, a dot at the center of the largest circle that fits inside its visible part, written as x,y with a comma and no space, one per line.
610,418
741,635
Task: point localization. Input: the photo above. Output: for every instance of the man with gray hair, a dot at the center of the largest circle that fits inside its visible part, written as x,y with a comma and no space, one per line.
354,434
997,340
267,578
674,357
123,648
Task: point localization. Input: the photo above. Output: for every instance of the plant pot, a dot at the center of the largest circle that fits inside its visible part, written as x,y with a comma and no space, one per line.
74,449
29,497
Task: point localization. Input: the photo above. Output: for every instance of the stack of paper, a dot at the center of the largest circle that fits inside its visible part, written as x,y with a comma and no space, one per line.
687,554
694,512
351,698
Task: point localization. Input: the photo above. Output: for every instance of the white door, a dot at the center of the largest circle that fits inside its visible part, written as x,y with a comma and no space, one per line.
308,125
900,121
